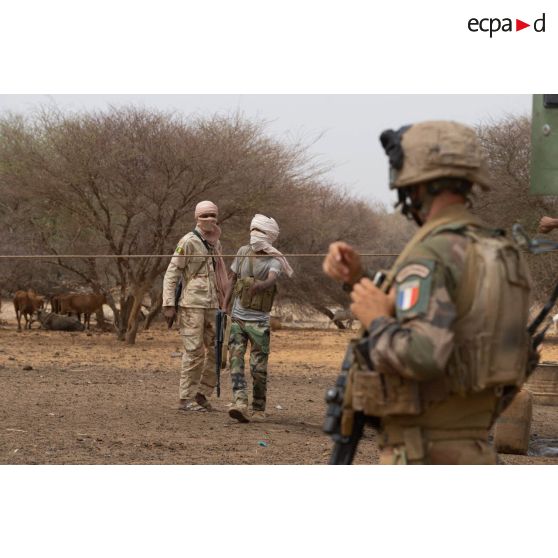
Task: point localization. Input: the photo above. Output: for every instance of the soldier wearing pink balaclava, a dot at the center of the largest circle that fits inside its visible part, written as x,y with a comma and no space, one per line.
203,289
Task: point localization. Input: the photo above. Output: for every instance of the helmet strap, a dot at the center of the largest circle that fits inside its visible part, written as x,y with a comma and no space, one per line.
415,209
418,209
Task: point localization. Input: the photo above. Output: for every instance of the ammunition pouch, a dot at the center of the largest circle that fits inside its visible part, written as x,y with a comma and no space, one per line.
380,395
261,301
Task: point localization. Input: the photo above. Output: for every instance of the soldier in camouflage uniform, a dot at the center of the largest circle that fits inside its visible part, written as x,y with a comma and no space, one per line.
204,283
451,331
253,289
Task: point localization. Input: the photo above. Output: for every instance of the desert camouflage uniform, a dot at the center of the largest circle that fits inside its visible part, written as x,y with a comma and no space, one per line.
196,314
417,344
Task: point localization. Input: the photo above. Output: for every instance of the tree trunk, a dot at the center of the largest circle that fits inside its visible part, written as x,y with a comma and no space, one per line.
134,316
153,311
123,318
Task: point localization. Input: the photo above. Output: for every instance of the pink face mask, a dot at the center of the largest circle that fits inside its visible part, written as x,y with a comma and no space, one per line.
207,221
207,224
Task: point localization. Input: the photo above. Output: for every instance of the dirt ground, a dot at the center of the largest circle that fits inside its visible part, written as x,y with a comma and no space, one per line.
88,398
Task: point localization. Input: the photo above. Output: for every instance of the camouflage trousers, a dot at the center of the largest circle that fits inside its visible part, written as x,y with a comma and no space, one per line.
197,329
257,333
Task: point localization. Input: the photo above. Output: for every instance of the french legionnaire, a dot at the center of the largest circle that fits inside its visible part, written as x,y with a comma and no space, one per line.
197,264
446,333
252,289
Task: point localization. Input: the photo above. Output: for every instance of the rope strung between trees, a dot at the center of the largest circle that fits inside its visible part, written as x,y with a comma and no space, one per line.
131,256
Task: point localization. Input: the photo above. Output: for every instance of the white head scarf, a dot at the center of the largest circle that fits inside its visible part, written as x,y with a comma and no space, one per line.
263,238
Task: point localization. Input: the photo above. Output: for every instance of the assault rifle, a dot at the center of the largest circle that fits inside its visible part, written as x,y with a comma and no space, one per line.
221,319
346,427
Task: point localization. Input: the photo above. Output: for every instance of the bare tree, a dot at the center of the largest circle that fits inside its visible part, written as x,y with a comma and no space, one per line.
507,144
125,181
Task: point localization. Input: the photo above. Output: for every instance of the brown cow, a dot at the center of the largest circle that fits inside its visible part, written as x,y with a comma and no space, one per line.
84,304
26,303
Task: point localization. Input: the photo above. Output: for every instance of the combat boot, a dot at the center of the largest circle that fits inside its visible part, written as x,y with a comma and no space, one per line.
239,412
258,415
202,401
188,405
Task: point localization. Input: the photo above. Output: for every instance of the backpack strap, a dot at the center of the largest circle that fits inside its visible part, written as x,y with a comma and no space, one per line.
453,218
208,247
250,262
203,260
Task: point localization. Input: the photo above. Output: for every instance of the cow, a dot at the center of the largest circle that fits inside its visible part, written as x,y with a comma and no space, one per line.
26,303
84,304
56,322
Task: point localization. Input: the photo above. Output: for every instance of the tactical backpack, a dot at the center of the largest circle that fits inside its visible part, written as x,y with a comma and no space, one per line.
491,335
491,339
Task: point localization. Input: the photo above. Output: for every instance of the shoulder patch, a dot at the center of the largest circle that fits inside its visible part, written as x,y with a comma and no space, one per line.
414,286
408,295
179,250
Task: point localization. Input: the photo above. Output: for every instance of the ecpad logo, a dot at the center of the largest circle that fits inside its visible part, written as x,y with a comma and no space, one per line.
493,25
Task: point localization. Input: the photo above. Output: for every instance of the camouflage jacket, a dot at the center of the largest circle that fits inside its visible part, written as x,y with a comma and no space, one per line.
198,275
418,341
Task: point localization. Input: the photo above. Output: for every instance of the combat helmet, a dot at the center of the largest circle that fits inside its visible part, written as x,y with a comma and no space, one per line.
432,150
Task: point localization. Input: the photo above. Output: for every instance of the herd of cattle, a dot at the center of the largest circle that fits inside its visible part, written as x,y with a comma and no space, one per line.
64,307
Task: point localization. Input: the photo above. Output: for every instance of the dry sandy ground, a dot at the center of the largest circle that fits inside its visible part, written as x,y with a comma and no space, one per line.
91,399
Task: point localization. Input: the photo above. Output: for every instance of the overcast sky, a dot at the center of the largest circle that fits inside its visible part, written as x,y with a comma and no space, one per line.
346,127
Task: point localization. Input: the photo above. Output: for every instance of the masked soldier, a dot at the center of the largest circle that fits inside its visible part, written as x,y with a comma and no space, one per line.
197,264
252,289
446,334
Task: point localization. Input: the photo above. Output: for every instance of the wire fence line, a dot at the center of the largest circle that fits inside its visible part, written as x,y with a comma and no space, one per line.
137,256
132,256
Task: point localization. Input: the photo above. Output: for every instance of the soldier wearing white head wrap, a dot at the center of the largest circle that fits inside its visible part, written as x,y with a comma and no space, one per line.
263,233
253,283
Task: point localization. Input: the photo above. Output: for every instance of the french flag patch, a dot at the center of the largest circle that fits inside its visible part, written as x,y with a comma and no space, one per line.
408,295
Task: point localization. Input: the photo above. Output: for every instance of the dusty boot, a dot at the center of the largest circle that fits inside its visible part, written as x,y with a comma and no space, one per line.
182,404
189,405
258,415
202,401
239,412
